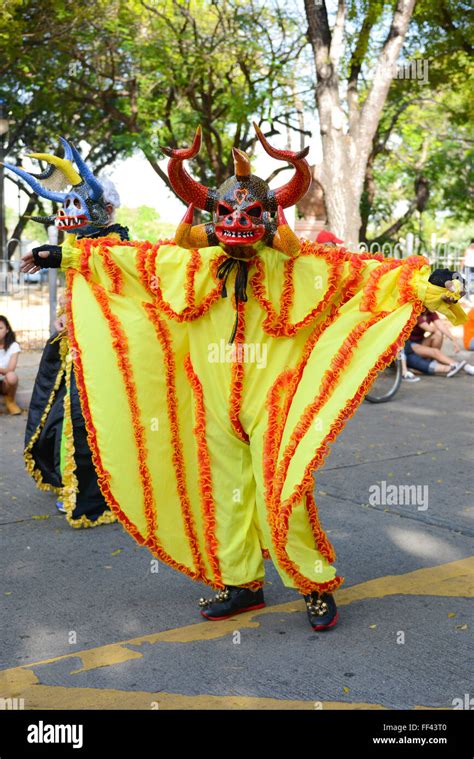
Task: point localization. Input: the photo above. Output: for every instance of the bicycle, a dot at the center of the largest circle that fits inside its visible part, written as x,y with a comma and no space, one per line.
387,383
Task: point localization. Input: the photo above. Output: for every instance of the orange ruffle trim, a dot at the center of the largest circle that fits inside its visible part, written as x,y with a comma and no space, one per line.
205,475
164,337
278,324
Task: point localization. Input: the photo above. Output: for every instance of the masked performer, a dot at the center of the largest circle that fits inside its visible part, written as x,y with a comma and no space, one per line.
56,451
215,370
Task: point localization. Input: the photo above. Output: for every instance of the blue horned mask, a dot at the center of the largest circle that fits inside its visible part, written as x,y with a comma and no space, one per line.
83,208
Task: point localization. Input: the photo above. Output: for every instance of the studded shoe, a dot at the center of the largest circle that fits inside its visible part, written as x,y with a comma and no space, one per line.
230,601
322,610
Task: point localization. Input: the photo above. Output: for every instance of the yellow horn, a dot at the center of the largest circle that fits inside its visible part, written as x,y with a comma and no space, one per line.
190,237
285,239
61,163
241,163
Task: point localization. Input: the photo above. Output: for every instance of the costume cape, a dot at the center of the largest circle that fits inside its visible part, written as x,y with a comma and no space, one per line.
206,452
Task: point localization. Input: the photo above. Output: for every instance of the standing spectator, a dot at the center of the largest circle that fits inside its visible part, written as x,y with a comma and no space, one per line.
468,264
9,350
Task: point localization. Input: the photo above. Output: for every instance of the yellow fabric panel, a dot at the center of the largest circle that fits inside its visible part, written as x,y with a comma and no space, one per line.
370,346
108,401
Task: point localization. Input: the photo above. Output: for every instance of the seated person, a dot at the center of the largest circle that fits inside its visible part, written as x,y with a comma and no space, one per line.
429,321
429,360
9,350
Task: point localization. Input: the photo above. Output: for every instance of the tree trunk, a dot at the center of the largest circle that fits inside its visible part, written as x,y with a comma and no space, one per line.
347,146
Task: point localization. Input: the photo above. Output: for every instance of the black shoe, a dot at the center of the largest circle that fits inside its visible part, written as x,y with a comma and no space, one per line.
322,610
231,601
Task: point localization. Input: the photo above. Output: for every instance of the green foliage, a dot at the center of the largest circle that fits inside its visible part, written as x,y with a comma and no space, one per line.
144,223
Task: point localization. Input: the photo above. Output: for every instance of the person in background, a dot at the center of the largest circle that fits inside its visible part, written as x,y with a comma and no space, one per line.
468,331
429,345
9,350
407,375
468,264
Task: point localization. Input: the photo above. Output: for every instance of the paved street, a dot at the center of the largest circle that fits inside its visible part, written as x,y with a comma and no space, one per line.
85,624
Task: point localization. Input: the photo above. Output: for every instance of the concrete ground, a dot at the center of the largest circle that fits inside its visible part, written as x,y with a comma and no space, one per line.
86,624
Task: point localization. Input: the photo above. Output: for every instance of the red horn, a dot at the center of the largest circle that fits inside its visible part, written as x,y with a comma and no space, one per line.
291,192
184,185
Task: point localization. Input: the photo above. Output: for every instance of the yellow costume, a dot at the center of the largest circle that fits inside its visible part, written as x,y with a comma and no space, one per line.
205,451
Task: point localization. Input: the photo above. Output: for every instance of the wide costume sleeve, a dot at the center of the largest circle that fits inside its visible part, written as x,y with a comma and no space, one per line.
386,283
374,309
126,304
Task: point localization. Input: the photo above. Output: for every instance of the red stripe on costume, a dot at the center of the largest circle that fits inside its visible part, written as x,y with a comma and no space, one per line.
193,311
237,378
323,545
192,267
112,269
164,337
205,474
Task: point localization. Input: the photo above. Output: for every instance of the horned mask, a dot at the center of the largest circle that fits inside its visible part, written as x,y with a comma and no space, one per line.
244,208
82,209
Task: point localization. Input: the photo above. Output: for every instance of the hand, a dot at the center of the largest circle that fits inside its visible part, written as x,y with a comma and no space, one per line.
450,285
28,265
446,278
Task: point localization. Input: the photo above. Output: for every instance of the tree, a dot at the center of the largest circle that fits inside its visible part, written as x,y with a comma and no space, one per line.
349,119
128,74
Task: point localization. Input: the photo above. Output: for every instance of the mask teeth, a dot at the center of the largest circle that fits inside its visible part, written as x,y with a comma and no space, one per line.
243,235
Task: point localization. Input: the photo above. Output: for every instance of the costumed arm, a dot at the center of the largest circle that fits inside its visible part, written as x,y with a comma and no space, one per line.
388,283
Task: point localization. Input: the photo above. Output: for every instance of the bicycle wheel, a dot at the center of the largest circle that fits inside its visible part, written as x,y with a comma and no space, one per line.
386,384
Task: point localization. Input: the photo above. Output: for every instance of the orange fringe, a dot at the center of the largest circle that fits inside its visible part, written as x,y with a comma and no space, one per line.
112,269
369,296
147,269
323,545
164,337
307,482
193,266
407,291
237,379
103,475
205,475
277,324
